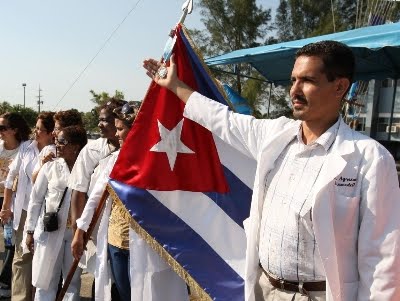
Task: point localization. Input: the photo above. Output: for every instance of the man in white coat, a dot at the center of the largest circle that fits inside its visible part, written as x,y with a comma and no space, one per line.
324,219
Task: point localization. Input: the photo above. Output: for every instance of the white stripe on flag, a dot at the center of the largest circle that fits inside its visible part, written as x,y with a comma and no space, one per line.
206,218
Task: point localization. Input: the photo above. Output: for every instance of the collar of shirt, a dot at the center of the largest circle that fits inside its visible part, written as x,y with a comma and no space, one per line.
325,140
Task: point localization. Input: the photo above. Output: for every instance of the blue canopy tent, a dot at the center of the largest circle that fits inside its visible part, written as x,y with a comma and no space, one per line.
377,51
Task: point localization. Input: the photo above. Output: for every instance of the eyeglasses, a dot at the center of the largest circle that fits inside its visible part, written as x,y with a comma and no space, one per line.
61,141
4,128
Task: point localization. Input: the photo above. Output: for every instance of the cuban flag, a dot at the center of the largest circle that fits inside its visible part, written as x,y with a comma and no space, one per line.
187,192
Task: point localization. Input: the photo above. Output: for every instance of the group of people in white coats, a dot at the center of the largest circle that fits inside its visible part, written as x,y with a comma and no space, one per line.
19,182
323,222
51,173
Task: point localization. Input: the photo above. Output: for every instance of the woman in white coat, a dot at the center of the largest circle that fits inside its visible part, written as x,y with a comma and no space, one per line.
14,133
21,170
50,193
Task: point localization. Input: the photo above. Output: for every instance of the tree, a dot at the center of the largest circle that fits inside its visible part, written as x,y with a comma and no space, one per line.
283,22
101,98
90,120
28,114
5,107
231,25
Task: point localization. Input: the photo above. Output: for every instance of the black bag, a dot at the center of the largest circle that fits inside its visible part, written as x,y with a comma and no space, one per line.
50,219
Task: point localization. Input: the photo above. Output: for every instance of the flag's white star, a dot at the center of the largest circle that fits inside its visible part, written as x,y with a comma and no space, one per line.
171,143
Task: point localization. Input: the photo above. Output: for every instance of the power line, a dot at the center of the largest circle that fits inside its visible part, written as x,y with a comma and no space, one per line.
98,52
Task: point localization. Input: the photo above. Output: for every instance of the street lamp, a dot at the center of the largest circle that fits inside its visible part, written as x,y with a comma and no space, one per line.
24,85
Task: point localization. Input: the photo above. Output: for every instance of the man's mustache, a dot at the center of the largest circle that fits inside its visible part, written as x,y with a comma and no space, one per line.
299,97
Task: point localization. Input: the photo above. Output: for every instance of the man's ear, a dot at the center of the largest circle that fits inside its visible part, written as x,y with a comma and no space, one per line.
342,84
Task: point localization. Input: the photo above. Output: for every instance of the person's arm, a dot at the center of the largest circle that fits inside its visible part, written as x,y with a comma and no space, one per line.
84,221
37,198
77,244
38,194
245,133
49,157
78,202
6,213
379,231
79,182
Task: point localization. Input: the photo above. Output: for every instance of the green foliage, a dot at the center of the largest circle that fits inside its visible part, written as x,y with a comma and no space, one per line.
234,24
5,107
101,98
90,120
28,114
231,25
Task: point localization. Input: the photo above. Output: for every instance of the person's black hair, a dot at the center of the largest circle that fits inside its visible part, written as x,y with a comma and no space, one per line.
338,59
112,104
75,134
47,119
18,123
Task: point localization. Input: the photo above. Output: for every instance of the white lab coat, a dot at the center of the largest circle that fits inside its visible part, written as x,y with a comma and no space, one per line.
86,162
49,188
151,278
355,210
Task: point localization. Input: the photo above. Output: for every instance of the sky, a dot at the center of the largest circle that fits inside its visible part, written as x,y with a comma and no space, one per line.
48,43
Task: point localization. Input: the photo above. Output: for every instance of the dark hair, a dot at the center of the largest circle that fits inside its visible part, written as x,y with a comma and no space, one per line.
75,134
47,119
68,118
127,113
337,57
17,122
112,104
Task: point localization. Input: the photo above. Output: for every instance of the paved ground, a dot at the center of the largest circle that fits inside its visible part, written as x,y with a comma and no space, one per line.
87,279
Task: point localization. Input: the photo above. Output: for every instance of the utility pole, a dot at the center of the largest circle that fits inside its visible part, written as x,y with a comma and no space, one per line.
39,102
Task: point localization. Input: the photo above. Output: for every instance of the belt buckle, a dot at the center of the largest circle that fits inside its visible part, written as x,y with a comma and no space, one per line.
302,291
282,283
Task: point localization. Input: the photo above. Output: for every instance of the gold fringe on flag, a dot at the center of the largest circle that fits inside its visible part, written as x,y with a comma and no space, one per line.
197,293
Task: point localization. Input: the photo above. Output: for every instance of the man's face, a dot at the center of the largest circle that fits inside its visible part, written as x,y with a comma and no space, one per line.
106,125
313,97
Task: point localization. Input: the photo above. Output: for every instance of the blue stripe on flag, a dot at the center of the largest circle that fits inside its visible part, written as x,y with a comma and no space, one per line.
205,85
234,203
213,274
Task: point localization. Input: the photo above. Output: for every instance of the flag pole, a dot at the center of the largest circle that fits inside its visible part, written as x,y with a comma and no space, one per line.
187,9
89,232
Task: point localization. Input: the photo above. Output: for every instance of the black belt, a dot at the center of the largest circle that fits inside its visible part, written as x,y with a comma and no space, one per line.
292,286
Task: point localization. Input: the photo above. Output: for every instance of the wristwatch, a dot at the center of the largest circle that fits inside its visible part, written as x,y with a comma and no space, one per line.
29,232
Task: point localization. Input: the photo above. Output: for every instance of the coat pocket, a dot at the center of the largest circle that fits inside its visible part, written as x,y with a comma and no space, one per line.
346,212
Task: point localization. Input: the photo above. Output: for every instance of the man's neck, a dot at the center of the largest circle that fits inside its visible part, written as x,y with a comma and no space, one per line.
312,130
